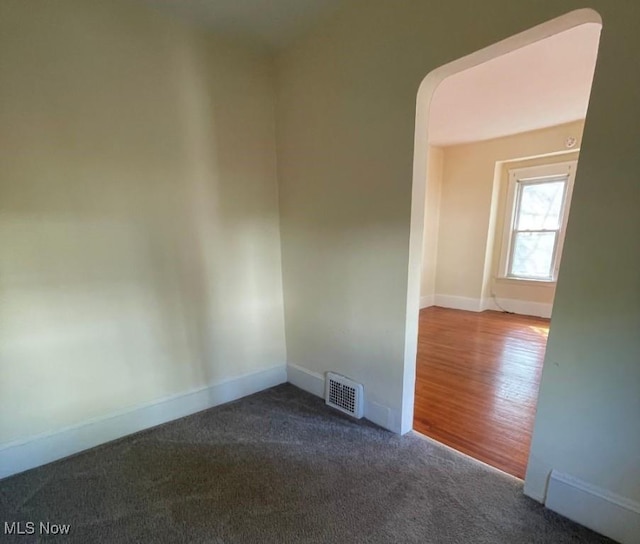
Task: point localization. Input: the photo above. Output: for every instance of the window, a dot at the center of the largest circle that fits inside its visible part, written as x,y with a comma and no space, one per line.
537,210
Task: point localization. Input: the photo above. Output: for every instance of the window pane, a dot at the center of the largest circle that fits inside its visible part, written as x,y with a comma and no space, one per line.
540,206
533,254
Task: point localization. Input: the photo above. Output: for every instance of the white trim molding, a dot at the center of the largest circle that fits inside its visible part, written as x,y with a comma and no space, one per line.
519,178
314,382
521,307
603,511
38,450
427,301
307,380
459,303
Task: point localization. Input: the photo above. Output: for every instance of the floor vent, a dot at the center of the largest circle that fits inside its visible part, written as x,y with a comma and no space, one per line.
344,394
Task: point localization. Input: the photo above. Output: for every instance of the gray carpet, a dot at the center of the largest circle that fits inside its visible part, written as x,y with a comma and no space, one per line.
278,467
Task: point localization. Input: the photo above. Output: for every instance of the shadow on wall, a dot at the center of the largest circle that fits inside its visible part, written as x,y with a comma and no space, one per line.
138,214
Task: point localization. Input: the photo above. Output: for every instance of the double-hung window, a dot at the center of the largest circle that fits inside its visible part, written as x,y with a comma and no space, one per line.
538,202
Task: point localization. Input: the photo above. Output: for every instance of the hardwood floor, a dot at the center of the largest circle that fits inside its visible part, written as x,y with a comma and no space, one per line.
477,383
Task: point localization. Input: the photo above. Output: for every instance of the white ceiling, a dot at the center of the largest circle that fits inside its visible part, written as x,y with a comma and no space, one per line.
541,85
273,23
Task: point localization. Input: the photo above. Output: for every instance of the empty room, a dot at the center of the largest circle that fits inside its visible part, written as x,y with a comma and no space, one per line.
216,218
503,152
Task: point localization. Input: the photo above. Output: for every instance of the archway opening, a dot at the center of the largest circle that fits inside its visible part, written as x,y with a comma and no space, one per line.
490,128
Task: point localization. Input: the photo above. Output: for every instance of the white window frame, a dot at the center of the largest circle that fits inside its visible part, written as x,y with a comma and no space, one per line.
519,177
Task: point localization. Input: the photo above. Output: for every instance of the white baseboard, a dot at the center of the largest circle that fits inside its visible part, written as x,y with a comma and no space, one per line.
605,512
307,380
427,301
313,383
44,448
521,307
459,303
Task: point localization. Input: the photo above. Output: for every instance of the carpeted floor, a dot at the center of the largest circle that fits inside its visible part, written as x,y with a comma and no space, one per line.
278,467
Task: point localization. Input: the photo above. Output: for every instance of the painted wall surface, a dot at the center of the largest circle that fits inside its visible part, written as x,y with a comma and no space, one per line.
470,216
139,233
346,111
433,193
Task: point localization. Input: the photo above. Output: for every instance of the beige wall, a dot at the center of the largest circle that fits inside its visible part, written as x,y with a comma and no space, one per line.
346,112
139,231
472,209
138,212
433,193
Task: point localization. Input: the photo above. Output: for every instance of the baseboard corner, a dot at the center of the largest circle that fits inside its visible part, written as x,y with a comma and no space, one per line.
305,379
31,452
427,301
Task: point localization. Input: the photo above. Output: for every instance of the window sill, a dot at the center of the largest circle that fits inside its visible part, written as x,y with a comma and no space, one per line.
527,281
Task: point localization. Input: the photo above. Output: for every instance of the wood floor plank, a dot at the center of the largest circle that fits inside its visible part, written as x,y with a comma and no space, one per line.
477,383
